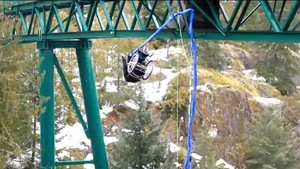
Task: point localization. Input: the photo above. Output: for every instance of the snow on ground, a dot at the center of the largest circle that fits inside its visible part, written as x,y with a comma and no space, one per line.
173,147
87,158
204,88
222,162
127,131
196,157
213,132
74,137
267,101
177,164
110,86
156,90
105,109
114,128
164,52
131,104
108,140
253,76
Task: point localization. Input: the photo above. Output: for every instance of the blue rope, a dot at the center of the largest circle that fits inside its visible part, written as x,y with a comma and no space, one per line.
193,49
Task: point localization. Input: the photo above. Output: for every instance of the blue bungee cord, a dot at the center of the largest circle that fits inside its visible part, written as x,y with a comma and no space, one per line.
193,48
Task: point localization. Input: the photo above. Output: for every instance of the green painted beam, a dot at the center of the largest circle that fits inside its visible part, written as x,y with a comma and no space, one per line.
111,14
47,115
151,10
91,15
50,19
124,18
220,29
26,8
250,13
53,44
291,15
71,14
293,37
99,19
106,14
215,14
65,163
136,12
242,14
296,26
270,15
24,22
90,97
58,18
80,18
40,20
121,7
31,21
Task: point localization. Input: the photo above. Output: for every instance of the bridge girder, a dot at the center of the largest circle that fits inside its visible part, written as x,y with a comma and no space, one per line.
230,20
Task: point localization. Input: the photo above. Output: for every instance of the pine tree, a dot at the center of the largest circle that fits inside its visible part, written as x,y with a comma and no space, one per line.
142,146
269,143
18,106
280,66
209,53
204,146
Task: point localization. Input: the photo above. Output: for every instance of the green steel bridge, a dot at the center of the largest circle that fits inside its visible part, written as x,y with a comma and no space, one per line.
73,23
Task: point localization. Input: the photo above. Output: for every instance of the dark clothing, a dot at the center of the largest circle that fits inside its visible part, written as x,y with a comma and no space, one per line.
127,76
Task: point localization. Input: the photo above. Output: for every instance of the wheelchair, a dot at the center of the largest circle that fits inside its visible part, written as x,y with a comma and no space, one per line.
139,66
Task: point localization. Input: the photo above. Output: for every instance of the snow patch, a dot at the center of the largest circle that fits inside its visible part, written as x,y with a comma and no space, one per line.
253,76
222,162
177,164
63,154
131,104
110,86
127,131
76,80
267,101
73,137
213,132
108,140
203,88
114,128
173,147
105,109
87,158
196,157
156,90
164,53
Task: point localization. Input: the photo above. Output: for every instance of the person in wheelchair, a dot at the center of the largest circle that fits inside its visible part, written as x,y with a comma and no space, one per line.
136,66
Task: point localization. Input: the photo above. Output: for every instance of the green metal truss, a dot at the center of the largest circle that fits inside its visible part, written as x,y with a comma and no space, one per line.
65,20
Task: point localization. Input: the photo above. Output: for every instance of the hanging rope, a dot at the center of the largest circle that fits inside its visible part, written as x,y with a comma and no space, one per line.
193,49
190,80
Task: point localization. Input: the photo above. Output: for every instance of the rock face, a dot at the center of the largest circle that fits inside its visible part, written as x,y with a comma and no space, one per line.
113,117
239,58
228,111
225,101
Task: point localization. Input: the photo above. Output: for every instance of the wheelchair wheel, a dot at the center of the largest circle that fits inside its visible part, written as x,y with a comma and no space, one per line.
133,62
149,69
